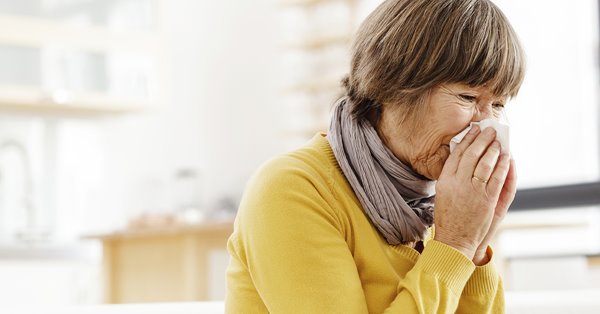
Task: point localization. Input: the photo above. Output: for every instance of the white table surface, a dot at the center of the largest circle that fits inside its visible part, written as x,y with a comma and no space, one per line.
517,302
148,308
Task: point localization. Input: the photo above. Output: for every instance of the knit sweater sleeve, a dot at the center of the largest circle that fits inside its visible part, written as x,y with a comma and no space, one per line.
292,242
483,292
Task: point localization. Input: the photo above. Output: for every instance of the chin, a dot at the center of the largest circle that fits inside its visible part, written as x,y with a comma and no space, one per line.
435,175
431,166
431,170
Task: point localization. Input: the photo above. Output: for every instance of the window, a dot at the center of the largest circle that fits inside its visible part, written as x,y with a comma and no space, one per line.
554,120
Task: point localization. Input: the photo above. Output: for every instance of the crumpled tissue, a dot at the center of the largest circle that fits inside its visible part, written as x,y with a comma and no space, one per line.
501,134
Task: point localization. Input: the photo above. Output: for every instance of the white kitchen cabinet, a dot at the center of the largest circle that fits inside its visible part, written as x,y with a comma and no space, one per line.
49,274
79,57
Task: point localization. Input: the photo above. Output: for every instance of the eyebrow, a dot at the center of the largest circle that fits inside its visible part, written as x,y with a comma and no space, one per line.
502,99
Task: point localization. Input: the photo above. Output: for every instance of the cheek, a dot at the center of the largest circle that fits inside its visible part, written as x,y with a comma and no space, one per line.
436,162
455,122
462,114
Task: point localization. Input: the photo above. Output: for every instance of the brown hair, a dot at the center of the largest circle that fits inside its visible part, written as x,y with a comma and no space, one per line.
406,47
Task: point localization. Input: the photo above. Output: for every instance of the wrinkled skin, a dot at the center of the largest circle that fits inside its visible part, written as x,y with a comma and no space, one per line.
468,210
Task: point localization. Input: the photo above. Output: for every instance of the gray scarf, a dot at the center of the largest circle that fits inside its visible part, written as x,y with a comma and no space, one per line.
398,200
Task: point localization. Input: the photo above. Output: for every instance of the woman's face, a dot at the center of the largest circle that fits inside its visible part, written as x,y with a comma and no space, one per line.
449,109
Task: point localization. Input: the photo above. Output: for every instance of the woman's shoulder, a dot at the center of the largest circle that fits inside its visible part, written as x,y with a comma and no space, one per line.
303,174
293,184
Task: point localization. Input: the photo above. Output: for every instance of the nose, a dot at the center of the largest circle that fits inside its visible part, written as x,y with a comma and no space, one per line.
484,111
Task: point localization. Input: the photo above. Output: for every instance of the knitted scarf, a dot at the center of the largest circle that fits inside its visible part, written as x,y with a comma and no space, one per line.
398,201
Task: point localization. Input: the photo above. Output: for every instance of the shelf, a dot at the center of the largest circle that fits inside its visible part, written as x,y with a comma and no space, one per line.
321,42
37,32
325,50
31,100
530,226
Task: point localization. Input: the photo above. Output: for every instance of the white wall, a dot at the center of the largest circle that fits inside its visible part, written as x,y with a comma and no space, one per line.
554,119
220,116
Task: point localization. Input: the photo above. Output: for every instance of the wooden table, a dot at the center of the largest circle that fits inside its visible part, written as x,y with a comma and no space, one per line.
167,264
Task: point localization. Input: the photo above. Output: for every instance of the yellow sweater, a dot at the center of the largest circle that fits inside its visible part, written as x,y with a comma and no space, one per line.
302,244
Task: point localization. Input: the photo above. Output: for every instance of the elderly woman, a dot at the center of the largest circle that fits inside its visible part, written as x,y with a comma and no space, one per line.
345,224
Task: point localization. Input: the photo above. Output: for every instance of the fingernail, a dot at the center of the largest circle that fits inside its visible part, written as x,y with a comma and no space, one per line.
474,129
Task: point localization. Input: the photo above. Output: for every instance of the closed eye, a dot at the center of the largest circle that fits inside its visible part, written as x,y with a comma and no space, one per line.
469,98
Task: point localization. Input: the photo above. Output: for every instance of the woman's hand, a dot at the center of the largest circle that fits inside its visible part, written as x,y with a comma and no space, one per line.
471,196
507,195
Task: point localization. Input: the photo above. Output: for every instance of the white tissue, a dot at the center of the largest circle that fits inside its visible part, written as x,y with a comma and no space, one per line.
501,134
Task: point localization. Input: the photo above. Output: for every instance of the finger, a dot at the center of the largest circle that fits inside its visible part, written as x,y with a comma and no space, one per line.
496,182
490,234
506,197
487,163
509,189
471,156
453,160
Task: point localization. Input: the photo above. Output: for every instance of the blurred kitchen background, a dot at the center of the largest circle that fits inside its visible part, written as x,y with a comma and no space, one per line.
128,129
